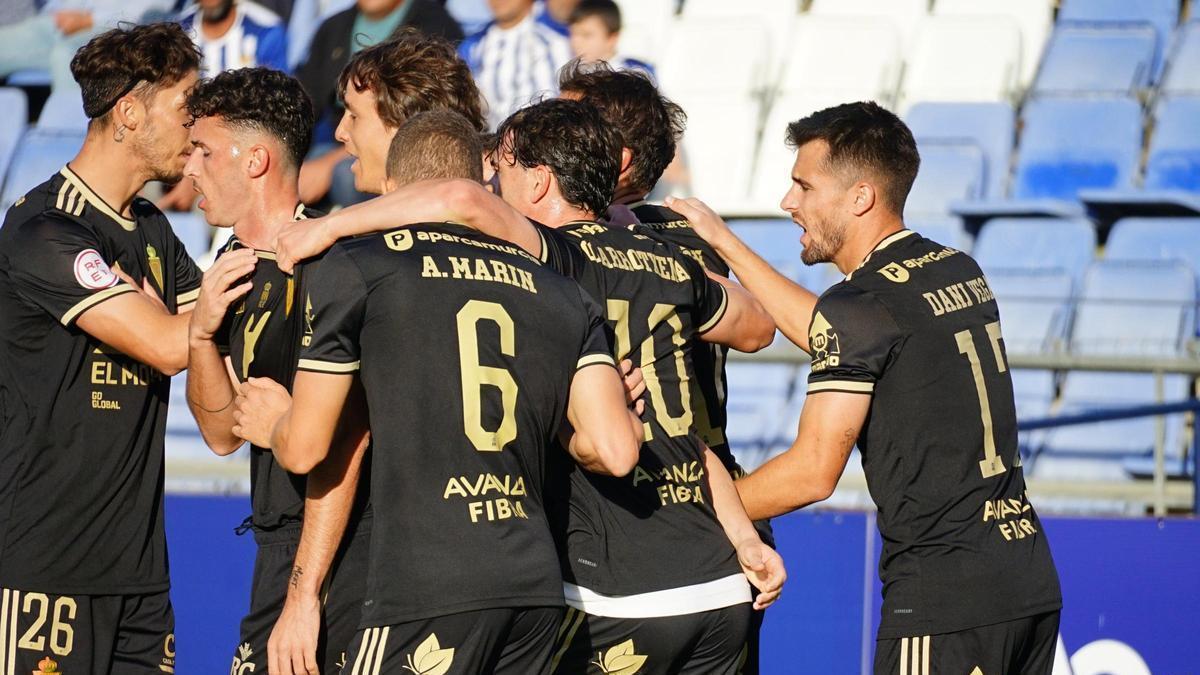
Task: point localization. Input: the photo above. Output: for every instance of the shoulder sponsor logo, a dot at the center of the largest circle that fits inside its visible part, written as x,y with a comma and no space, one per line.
400,240
92,272
894,272
826,350
620,660
429,658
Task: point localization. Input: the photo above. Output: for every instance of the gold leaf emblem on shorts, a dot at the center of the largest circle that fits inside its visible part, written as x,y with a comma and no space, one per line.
429,658
620,660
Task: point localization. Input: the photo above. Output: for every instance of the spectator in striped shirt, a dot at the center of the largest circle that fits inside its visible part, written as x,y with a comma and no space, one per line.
236,34
516,57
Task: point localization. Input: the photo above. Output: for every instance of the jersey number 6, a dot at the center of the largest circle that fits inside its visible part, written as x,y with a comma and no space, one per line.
475,376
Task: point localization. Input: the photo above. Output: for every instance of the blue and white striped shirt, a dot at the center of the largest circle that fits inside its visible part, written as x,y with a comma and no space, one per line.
257,38
515,67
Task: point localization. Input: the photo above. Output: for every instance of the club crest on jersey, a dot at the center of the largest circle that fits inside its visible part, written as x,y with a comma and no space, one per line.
620,660
242,663
894,272
47,666
826,350
429,658
92,272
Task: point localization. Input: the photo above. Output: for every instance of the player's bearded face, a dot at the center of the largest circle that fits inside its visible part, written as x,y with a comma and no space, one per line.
815,202
161,141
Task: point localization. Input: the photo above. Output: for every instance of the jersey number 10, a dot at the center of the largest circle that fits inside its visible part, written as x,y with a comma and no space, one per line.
992,464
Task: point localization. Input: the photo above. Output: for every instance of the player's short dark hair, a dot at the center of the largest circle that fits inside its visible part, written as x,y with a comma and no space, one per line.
139,59
411,73
649,124
606,10
435,144
262,99
575,142
864,137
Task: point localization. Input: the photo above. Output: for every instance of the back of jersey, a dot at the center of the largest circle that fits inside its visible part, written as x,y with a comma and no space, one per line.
466,347
656,299
917,327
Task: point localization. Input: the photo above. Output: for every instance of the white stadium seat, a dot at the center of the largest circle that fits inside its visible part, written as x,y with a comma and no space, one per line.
778,14
718,147
1035,17
699,56
961,58
904,15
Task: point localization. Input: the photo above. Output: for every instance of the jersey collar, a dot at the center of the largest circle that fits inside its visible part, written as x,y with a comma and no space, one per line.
884,243
95,201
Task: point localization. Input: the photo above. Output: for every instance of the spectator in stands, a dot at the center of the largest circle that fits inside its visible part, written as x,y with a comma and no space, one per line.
516,58
596,32
368,22
49,39
230,34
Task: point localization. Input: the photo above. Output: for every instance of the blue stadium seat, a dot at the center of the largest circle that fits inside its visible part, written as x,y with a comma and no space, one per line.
1072,144
12,124
776,240
757,394
1161,14
988,125
193,231
1174,161
1064,245
1155,239
1183,70
1097,60
949,172
40,154
1035,307
945,230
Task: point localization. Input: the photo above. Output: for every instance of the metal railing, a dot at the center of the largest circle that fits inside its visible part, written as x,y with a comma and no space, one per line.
785,352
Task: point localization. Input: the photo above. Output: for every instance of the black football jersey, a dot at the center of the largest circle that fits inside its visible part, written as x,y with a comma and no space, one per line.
917,327
261,335
83,426
466,347
654,529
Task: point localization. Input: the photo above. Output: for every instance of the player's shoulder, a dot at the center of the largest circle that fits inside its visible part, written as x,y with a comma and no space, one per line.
659,216
906,263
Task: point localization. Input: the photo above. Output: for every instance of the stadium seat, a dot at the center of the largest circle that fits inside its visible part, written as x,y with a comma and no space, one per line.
1174,161
1162,15
12,124
990,126
1035,307
691,62
776,240
193,231
963,58
778,14
949,172
758,390
1063,245
40,154
63,111
945,230
643,25
1155,239
718,148
1072,144
1035,17
1117,60
1183,71
904,15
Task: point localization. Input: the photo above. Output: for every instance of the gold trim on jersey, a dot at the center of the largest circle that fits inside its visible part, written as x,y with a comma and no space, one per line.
265,255
327,367
93,300
594,359
70,199
298,214
848,386
886,242
718,315
545,254
95,200
187,296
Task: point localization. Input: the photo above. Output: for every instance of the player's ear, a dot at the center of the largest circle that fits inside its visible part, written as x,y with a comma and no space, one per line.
542,179
626,162
862,198
258,160
128,112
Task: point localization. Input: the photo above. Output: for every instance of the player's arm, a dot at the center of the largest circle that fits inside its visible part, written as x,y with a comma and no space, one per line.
300,434
760,563
458,200
745,324
141,329
330,492
602,433
210,380
810,469
790,304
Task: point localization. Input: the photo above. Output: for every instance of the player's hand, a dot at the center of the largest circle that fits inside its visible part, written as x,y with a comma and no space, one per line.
292,647
703,220
257,408
71,21
224,283
301,240
635,386
764,568
144,289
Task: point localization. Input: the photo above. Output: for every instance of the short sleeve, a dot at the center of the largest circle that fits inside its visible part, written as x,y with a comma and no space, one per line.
852,337
56,264
711,299
334,306
187,275
597,347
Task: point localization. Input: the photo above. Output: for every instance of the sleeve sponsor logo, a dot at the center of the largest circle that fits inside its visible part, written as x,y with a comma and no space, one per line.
826,350
92,272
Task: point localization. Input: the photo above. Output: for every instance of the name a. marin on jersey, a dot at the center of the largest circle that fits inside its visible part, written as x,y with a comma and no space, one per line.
486,507
477,269
678,484
954,297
